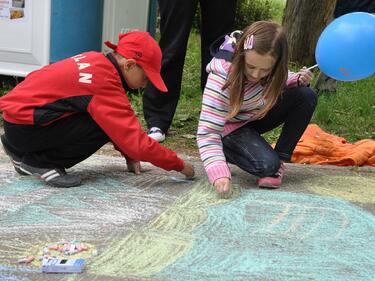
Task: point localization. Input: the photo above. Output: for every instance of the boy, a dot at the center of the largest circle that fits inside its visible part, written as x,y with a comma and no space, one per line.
61,114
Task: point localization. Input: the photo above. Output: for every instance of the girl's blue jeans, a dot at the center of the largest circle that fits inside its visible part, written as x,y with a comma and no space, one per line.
246,148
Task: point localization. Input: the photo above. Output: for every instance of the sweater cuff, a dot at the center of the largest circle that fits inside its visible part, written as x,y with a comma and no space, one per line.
218,171
293,80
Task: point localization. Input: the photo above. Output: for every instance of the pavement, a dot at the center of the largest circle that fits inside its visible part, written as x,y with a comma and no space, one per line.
319,226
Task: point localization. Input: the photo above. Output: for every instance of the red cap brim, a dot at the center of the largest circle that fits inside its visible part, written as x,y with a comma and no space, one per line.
156,80
110,45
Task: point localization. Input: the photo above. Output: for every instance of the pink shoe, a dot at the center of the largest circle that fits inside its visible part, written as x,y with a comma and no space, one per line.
273,181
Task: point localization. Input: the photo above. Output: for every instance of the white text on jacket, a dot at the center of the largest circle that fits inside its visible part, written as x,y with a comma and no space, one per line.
83,76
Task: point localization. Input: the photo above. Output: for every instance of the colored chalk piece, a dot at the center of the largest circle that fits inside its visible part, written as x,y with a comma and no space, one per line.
53,247
79,248
26,260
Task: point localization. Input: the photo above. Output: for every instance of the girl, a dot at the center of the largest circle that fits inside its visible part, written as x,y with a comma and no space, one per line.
244,98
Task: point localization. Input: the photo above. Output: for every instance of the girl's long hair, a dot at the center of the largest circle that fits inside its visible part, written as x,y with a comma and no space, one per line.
269,39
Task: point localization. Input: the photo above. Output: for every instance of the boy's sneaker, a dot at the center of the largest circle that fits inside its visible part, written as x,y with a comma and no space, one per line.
55,177
157,134
16,161
273,181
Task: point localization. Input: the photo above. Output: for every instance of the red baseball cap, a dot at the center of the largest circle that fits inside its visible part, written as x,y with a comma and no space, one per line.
141,47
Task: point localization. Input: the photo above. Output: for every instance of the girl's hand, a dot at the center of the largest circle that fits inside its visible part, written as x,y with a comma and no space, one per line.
223,187
305,76
188,171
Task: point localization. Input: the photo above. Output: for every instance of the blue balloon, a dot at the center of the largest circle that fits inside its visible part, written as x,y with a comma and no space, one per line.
346,48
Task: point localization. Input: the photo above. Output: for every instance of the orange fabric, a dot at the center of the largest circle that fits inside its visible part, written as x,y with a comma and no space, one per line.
319,147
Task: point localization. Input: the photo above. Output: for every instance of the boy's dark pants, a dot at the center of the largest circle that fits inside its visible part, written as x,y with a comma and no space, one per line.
247,149
176,18
61,144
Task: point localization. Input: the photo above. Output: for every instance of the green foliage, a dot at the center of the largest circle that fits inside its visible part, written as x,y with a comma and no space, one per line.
277,10
196,25
136,101
248,11
3,91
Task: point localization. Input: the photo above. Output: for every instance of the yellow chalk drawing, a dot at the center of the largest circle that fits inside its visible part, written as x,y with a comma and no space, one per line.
167,238
361,190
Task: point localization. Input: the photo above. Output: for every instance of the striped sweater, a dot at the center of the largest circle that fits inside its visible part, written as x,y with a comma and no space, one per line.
215,107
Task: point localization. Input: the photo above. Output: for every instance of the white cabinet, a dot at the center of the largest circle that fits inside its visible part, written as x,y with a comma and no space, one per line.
34,33
24,42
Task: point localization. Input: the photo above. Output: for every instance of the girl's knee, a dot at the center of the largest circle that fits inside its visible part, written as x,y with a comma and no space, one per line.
268,166
308,96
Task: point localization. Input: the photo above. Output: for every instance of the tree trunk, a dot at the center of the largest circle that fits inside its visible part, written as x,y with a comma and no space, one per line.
304,21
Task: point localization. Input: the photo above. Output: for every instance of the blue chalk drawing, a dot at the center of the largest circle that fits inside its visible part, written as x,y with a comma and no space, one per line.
10,278
261,235
67,201
5,272
280,236
106,182
30,215
75,197
18,269
21,186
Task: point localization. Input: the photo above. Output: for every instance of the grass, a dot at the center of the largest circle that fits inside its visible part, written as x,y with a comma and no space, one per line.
3,91
350,112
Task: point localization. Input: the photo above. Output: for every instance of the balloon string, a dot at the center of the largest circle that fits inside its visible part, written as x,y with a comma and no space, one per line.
312,67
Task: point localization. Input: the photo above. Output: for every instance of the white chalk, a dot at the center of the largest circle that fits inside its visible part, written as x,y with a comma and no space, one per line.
312,67
181,180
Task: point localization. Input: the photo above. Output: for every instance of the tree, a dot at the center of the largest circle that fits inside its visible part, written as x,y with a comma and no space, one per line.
304,21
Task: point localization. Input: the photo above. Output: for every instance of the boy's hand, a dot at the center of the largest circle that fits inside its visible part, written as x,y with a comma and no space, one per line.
188,171
223,187
134,166
305,76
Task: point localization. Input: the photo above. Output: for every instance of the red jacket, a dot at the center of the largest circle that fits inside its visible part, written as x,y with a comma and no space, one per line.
88,82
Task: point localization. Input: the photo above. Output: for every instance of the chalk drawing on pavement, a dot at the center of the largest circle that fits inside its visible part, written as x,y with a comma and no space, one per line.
360,189
145,229
260,234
